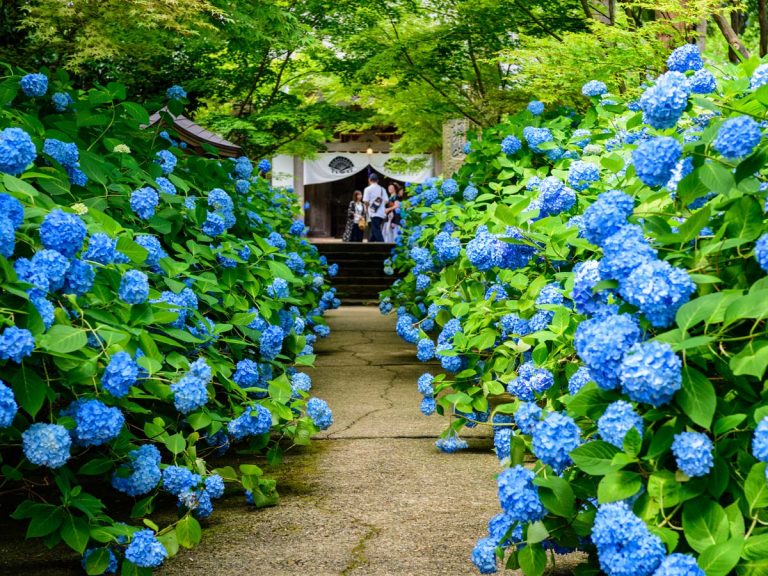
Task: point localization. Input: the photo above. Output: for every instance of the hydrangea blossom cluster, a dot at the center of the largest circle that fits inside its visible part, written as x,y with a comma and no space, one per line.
63,232
618,419
191,392
658,289
254,421
16,344
530,381
17,151
134,287
144,201
582,174
594,88
145,550
693,453
518,496
607,215
554,438
141,474
685,58
625,546
8,406
451,443
34,85
96,423
737,137
510,145
650,372
655,160
602,342
320,413
535,107
120,374
46,444
664,102
554,197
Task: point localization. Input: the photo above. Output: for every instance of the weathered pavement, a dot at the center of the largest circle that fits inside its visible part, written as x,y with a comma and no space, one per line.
372,495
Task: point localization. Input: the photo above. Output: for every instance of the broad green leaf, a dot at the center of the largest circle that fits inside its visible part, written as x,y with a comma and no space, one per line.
704,523
176,444
533,560
595,457
29,390
720,559
618,485
756,488
46,519
64,339
751,360
76,533
697,397
97,562
556,495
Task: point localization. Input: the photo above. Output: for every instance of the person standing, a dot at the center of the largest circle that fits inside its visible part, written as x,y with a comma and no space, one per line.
375,199
356,220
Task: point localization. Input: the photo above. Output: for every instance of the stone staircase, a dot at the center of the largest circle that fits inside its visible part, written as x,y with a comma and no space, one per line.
361,269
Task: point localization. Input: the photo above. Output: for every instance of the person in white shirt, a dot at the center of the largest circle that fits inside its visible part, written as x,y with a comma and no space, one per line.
375,199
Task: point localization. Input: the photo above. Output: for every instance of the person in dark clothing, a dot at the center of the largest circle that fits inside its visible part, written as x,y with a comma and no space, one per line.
356,220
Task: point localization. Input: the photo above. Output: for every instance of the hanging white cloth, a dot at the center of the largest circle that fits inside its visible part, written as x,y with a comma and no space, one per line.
333,166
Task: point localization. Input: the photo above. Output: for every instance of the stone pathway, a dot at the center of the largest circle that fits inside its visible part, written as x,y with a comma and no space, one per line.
372,495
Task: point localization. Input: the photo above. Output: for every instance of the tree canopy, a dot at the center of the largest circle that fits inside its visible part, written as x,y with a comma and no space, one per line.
275,75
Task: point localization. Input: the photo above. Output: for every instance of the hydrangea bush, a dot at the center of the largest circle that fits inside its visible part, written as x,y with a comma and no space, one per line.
598,297
157,308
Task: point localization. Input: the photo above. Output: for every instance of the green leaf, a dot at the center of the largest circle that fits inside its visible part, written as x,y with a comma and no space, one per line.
720,559
664,489
716,177
64,339
756,488
533,560
704,523
728,423
753,305
46,519
29,390
751,360
756,548
97,562
136,111
537,532
188,532
96,466
618,485
697,397
176,444
557,495
710,307
595,457
76,533
138,254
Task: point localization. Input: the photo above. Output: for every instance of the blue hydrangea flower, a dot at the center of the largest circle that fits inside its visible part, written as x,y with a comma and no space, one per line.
165,185
214,486
62,101
424,384
484,556
554,438
425,350
63,232
703,82
686,57
12,210
579,379
52,265
300,382
34,85
101,249
120,374
760,440
607,215
625,251
535,137
512,325
189,393
16,344
406,330
449,187
177,479
141,474
518,496
679,565
451,443
64,153
582,174
176,92
279,288
470,192
264,166
625,546
151,244
499,526
601,343
447,248
664,102
527,417
256,420
17,151
693,453
271,342
501,443
320,413
79,278
554,197
737,137
134,287
246,373
759,77
428,406
586,275
658,289
46,445
96,423
761,251
530,381
8,406
651,373
656,158
145,550
43,307
594,88
166,160
535,107
333,270
618,419
451,362
510,145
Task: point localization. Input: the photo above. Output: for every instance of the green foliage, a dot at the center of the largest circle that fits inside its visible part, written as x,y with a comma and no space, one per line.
230,275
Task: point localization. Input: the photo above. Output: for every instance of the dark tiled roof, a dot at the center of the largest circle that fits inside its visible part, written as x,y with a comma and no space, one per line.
195,135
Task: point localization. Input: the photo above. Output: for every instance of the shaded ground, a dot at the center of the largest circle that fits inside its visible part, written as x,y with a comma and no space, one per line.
372,496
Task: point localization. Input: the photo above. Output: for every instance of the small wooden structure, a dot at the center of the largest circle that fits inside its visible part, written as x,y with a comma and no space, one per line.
195,136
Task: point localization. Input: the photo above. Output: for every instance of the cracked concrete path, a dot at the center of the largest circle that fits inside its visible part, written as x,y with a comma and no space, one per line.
372,495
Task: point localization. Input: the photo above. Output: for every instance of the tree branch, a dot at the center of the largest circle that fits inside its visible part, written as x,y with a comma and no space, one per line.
538,21
734,42
762,18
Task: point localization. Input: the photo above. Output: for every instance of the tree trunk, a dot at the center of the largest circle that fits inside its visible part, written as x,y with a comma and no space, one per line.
604,11
701,35
735,45
762,18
